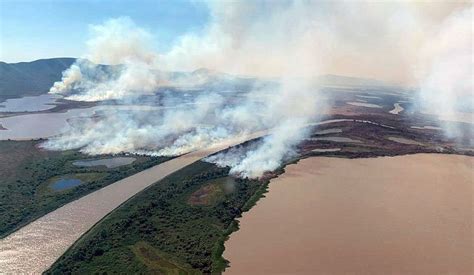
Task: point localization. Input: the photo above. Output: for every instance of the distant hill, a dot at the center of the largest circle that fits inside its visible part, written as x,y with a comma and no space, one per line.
31,78
36,77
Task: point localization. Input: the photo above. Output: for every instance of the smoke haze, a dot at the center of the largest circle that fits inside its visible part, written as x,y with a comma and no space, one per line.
116,42
446,76
428,45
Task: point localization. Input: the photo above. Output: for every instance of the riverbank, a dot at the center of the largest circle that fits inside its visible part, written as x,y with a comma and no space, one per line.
176,227
27,174
36,246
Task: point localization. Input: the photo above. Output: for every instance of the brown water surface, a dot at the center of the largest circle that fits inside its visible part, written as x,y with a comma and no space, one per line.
392,215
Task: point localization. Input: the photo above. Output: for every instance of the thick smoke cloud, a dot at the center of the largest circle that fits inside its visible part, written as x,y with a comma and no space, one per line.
290,115
70,77
116,42
289,41
426,45
254,160
374,39
209,118
445,72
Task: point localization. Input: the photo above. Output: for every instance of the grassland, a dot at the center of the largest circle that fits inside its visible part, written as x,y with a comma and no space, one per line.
177,226
26,173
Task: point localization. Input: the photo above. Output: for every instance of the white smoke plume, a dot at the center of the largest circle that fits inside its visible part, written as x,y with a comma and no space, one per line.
155,131
446,75
292,115
268,155
290,41
209,118
174,129
427,45
372,39
116,42
70,77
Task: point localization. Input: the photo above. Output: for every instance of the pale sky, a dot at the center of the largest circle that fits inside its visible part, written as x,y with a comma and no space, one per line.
35,29
396,41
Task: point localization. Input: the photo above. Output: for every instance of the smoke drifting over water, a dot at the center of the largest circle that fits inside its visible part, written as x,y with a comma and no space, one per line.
446,77
173,113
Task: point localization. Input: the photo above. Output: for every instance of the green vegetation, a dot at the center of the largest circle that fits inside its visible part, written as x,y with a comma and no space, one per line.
27,172
176,226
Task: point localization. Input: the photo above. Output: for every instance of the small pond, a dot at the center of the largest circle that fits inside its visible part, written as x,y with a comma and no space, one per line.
326,150
404,141
328,131
336,139
369,96
108,162
65,184
361,104
426,127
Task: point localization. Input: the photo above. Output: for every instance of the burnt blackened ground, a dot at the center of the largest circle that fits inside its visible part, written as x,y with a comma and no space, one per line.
374,126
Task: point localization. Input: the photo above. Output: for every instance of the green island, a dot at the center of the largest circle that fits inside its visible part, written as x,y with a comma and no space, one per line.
177,226
27,174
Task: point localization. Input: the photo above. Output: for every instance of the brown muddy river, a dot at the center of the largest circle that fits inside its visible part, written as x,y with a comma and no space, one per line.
392,215
35,247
